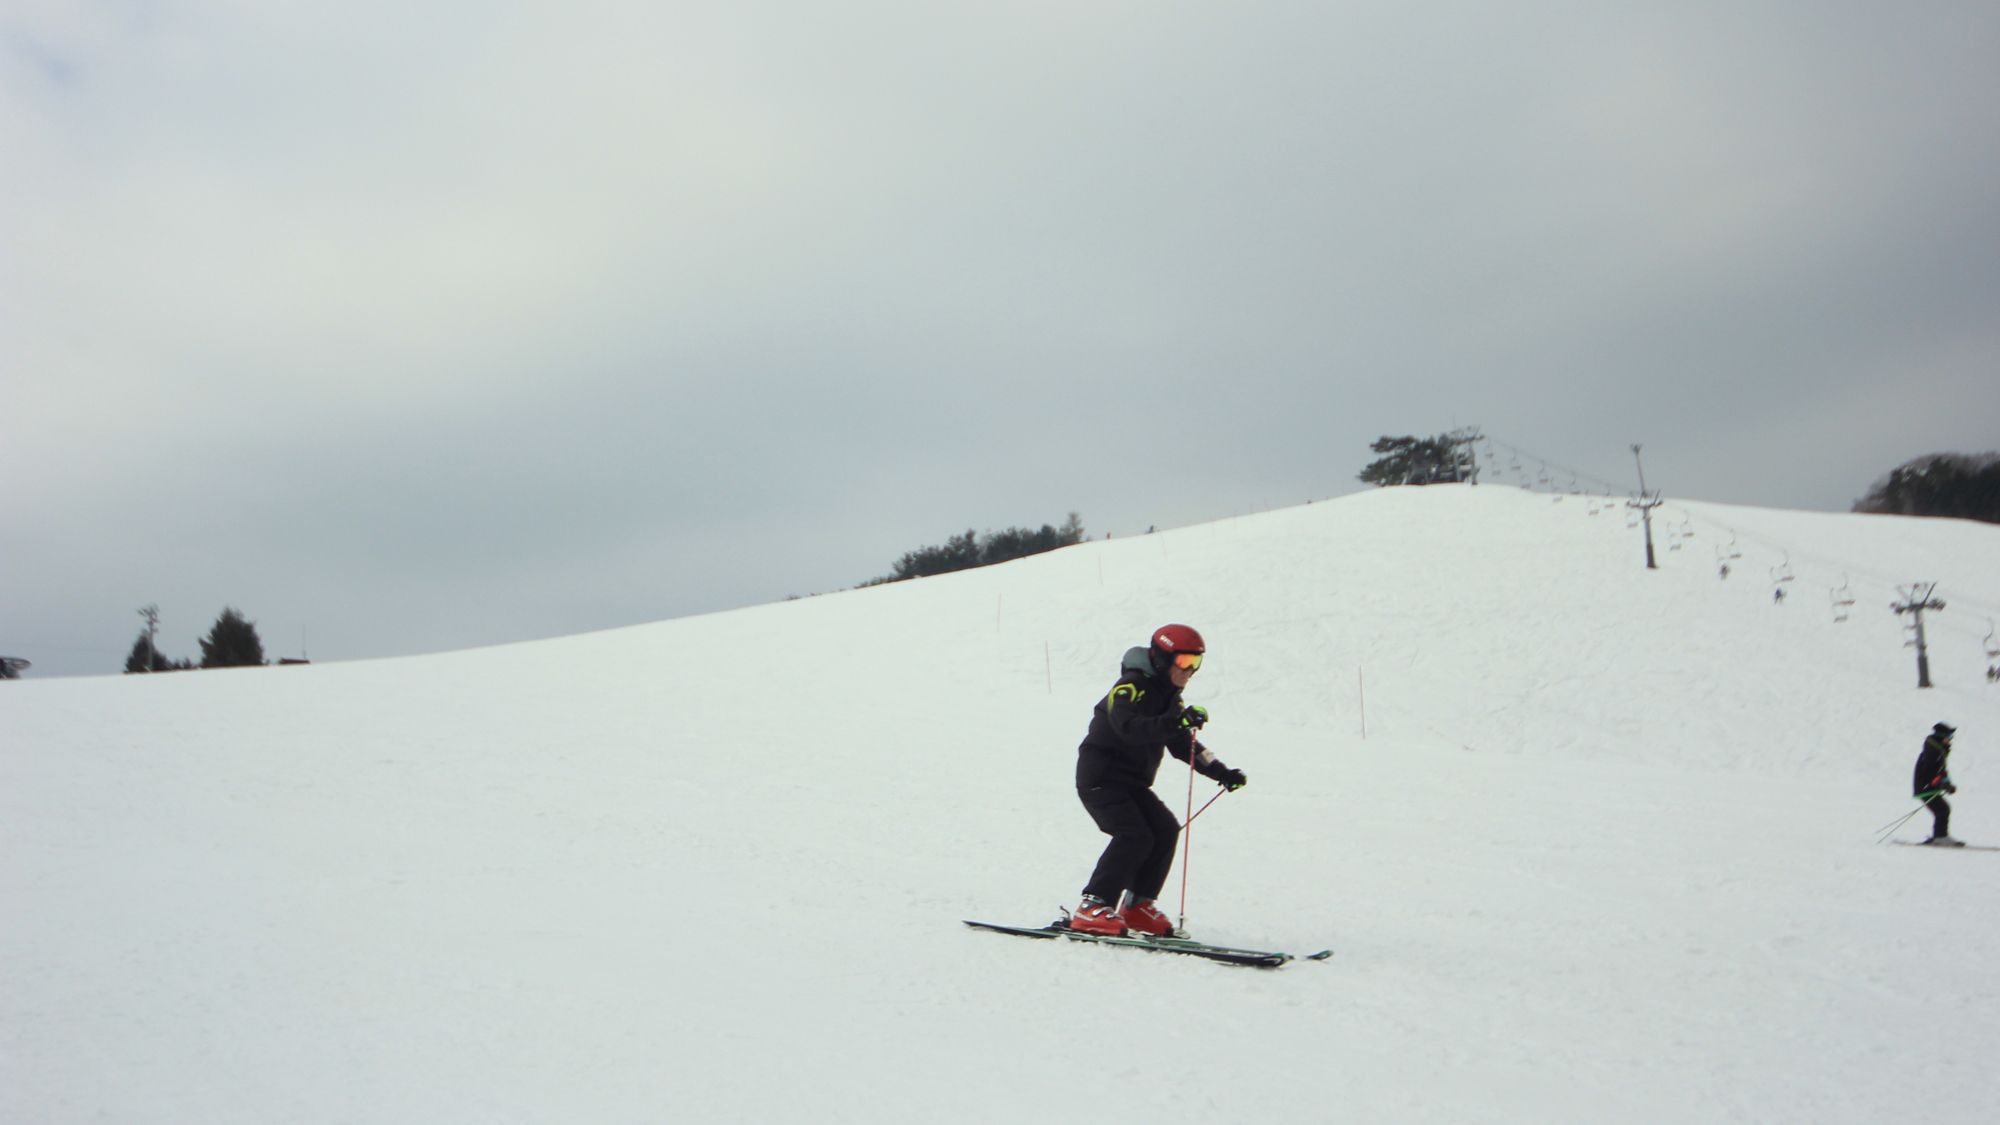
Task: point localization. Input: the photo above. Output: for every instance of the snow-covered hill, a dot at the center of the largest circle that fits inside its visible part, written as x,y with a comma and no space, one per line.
1604,853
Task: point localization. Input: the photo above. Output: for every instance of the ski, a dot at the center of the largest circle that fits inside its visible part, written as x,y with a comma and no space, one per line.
1960,848
1255,958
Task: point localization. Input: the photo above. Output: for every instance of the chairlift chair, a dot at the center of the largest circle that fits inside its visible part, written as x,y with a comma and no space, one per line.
1782,573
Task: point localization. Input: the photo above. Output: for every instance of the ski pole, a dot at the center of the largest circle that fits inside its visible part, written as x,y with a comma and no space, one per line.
1187,839
1926,799
1187,836
1211,800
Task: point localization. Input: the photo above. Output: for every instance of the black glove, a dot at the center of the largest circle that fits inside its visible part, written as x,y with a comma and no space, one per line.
1194,718
1950,788
1233,780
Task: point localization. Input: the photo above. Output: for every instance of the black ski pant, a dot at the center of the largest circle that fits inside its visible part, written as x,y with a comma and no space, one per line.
1940,816
1143,835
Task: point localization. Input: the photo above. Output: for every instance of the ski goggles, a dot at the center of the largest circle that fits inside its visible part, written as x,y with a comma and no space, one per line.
1187,661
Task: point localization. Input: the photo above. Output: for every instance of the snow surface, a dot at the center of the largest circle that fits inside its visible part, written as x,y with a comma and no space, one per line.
1605,853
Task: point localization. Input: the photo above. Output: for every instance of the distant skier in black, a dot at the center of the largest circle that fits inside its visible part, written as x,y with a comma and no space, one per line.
1140,716
1933,780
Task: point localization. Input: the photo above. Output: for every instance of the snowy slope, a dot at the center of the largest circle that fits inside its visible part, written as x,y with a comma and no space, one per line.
1604,853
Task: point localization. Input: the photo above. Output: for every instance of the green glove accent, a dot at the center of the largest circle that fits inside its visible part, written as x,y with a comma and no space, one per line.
1194,718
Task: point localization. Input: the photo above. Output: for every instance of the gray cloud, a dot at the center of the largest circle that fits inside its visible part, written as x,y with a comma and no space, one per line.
421,327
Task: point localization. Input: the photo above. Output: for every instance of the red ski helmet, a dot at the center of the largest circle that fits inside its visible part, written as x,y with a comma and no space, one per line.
1170,641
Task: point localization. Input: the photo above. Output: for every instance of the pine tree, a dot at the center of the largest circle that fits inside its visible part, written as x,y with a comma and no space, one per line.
143,648
144,657
1413,460
1953,485
232,642
963,552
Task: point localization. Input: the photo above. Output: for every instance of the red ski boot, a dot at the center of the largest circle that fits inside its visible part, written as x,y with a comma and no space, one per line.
1146,918
1095,916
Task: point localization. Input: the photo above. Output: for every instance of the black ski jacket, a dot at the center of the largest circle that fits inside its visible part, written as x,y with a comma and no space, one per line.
1138,718
1932,774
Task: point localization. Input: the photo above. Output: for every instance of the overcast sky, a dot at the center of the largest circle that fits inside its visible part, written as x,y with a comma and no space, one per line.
412,326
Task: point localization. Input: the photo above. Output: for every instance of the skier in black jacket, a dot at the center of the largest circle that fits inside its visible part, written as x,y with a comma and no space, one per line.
1140,716
1933,780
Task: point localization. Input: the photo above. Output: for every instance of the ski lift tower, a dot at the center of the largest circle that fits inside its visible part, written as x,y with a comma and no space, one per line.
1645,503
1916,599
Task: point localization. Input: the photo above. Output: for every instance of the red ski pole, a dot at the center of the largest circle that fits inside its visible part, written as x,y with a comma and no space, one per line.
1187,836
